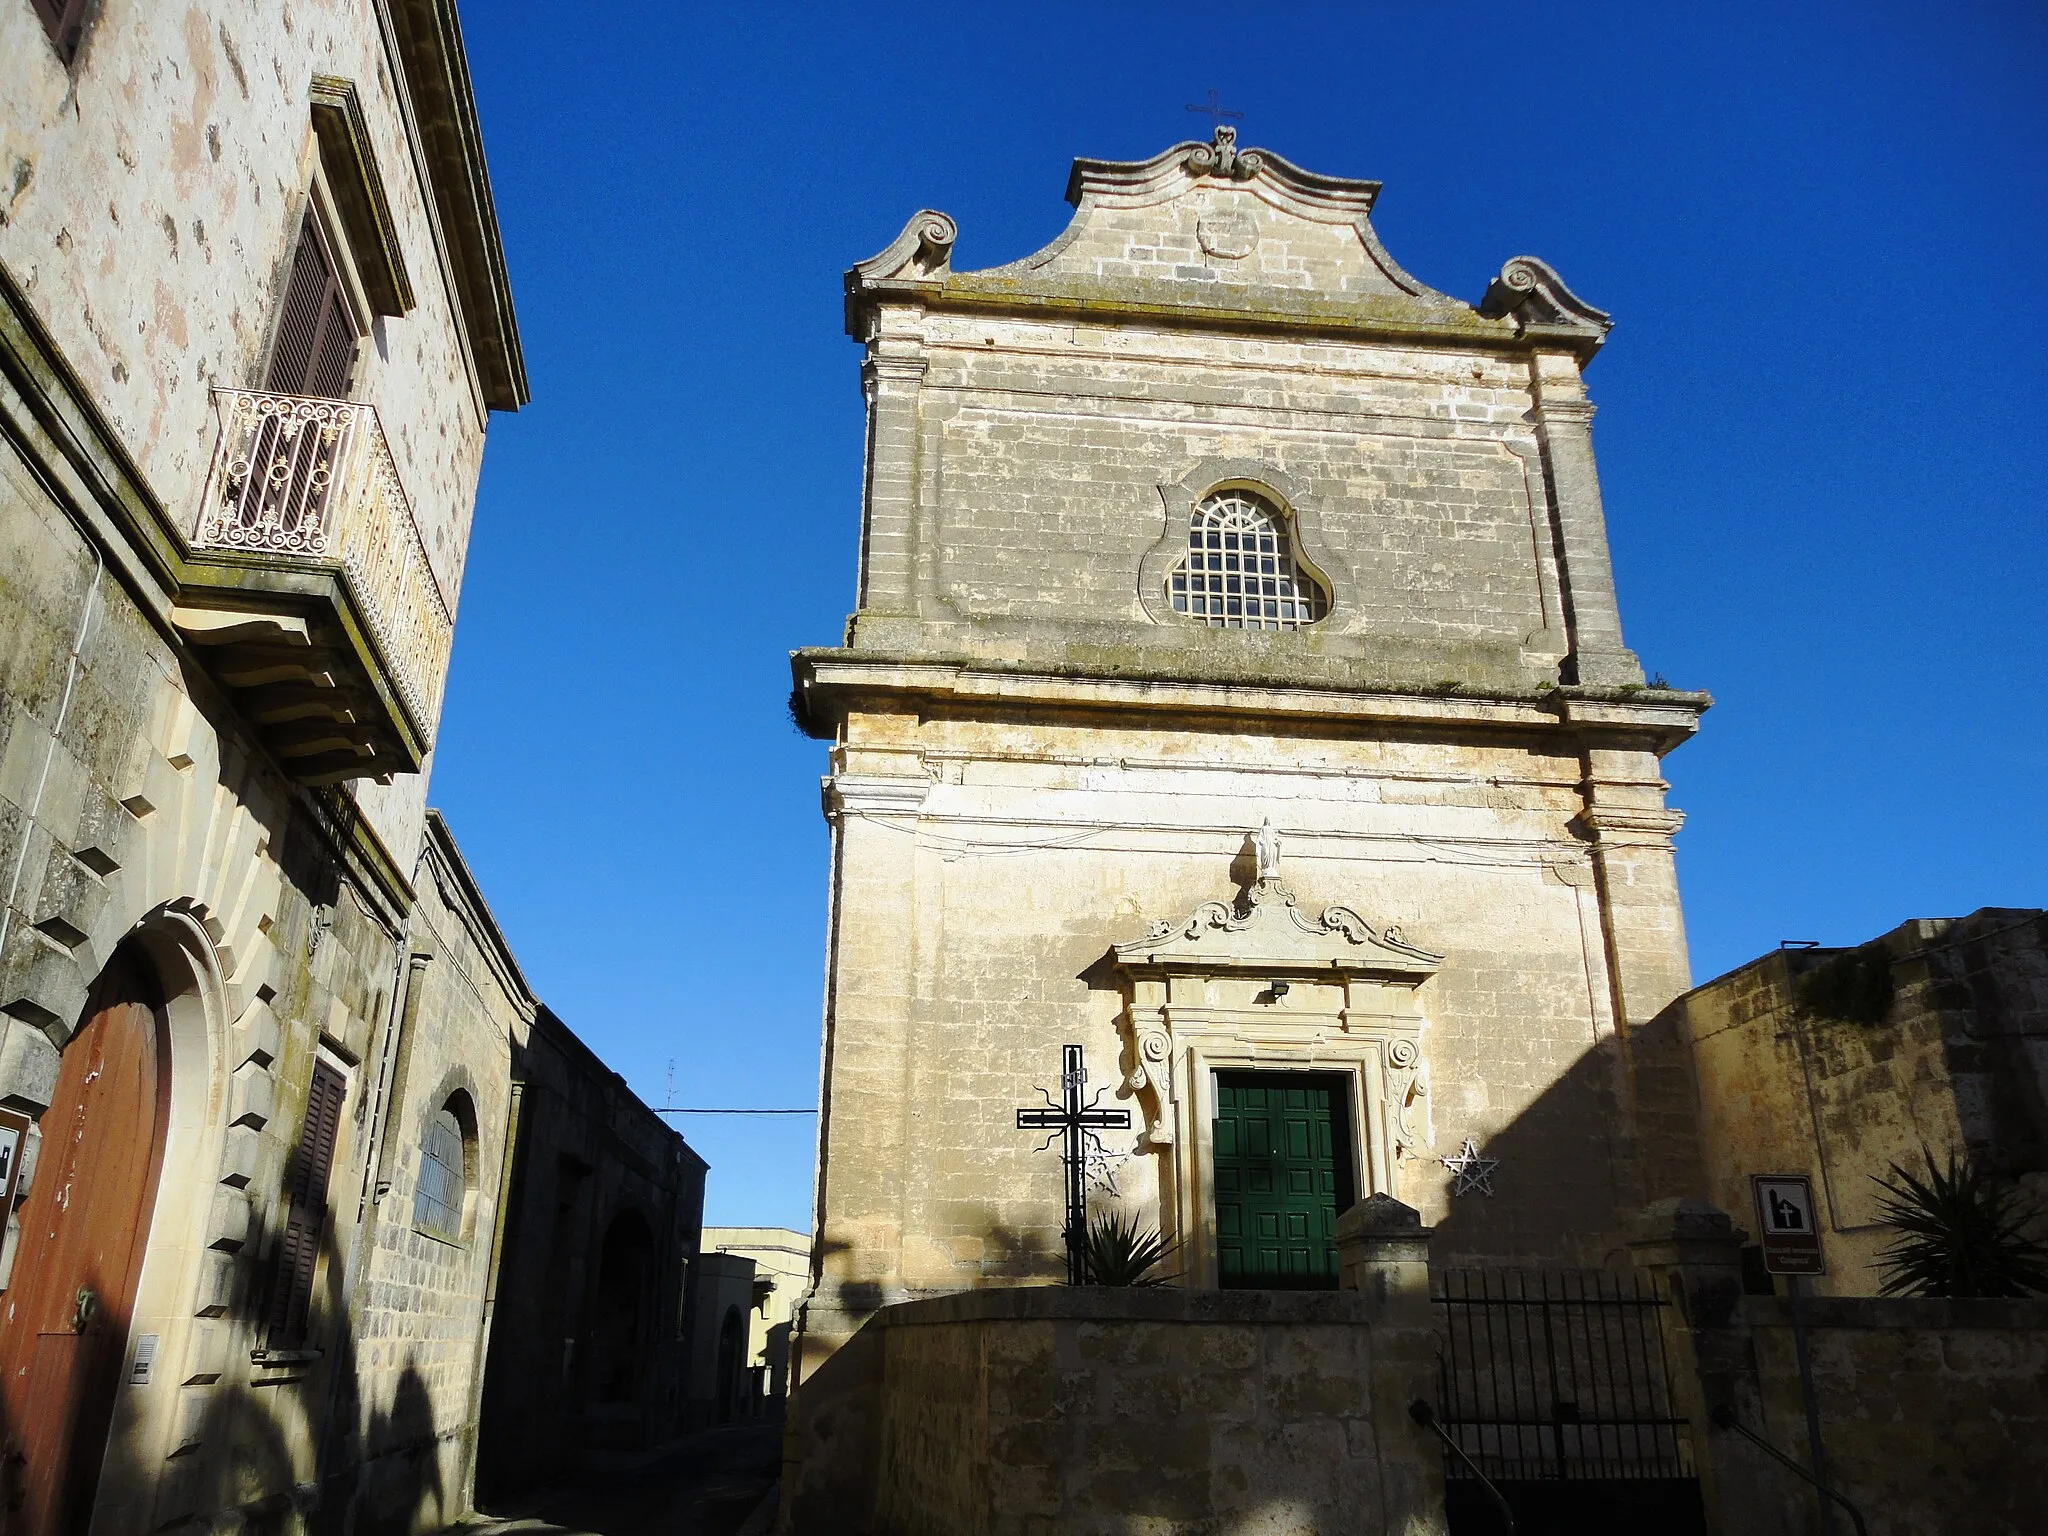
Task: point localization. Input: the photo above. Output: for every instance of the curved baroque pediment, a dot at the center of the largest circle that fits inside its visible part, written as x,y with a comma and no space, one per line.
1264,931
1239,232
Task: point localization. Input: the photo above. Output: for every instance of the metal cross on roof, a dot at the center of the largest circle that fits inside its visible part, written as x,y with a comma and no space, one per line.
1215,108
1073,1121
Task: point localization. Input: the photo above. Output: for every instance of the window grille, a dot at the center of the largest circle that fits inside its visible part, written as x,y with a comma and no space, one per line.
444,1181
1240,571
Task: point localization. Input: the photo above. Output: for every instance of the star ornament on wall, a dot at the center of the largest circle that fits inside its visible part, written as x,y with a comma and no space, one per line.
1471,1173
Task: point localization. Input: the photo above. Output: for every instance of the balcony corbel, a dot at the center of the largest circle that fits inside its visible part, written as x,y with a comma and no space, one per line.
308,594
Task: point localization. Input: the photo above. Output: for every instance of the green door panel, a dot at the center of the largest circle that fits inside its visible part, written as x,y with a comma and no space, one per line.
1283,1171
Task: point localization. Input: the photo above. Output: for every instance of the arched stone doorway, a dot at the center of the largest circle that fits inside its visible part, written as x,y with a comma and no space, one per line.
622,1335
84,1231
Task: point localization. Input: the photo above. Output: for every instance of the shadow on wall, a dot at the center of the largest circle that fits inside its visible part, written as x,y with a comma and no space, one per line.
1616,1131
240,1455
1009,1256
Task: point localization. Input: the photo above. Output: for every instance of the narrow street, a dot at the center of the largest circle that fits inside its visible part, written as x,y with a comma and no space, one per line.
707,1485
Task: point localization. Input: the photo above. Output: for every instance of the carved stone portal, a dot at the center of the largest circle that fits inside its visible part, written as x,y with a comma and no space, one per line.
1258,983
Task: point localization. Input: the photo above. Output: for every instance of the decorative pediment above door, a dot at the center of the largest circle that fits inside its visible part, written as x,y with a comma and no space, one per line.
1264,933
1258,983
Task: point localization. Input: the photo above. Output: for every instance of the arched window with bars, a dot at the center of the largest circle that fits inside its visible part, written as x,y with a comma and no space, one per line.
1240,570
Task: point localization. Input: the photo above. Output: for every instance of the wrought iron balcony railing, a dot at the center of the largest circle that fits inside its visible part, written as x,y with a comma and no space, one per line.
298,482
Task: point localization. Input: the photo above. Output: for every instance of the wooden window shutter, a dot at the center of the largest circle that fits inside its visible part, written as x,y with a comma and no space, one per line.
298,1247
316,338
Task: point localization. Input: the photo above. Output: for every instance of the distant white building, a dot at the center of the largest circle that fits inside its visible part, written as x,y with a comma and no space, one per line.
782,1269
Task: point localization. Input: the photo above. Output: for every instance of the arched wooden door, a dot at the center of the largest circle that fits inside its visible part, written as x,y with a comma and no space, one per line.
64,1316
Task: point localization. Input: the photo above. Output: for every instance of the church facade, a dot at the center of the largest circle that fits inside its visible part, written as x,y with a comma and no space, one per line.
1235,689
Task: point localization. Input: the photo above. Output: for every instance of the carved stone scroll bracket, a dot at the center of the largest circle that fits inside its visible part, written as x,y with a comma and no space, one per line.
1408,1100
1148,1074
1530,293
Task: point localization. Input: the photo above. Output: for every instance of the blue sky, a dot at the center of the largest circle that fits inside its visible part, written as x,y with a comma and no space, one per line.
1822,230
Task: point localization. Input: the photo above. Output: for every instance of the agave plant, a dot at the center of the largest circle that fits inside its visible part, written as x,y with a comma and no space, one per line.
1961,1233
1120,1252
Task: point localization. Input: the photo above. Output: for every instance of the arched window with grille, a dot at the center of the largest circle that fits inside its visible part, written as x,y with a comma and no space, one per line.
1240,570
440,1199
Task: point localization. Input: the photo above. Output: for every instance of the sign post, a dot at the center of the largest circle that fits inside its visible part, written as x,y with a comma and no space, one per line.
1790,1234
1785,1221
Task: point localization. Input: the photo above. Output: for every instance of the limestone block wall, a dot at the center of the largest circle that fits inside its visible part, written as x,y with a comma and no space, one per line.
1103,1411
986,865
152,198
418,1310
135,812
1414,475
1958,1062
1036,757
590,1157
154,189
1931,1411
1038,431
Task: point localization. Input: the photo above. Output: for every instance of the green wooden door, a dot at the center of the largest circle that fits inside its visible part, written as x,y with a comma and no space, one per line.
1283,1172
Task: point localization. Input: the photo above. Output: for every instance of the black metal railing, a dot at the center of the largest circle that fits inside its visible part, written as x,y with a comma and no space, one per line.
1556,1375
1724,1418
1422,1413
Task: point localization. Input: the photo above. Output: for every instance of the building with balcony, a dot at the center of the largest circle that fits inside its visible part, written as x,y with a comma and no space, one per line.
263,1052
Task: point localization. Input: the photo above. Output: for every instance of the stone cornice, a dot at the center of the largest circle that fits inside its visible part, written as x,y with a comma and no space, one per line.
459,889
437,80
1643,821
351,163
1143,181
830,682
853,794
1531,294
1170,304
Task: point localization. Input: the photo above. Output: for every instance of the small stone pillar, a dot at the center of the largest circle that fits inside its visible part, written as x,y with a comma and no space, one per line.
1383,1253
1694,1253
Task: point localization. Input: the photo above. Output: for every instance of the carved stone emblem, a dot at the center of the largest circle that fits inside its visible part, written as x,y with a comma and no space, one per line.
1230,235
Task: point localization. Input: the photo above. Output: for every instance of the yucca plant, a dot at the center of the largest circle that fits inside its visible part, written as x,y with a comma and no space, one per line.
1120,1252
1961,1233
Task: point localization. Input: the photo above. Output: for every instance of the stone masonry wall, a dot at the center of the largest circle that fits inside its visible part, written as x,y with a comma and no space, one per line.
1105,1411
419,1314
1932,1412
971,920
150,200
1049,443
1959,1062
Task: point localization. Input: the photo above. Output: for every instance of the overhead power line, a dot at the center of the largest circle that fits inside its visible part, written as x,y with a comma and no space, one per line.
675,1111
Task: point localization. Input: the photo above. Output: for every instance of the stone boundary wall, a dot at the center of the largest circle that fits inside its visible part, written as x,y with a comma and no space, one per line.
1934,1414
1101,1410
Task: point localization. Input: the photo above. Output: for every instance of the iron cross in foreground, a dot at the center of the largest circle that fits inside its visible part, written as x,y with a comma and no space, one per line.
1072,1119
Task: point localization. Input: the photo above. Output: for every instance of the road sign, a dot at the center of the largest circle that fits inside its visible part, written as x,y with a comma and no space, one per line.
1785,1218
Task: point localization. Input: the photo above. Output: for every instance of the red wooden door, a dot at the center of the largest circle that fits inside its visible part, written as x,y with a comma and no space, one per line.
64,1316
